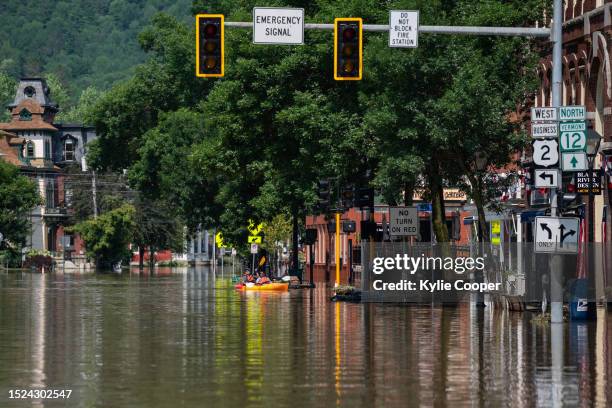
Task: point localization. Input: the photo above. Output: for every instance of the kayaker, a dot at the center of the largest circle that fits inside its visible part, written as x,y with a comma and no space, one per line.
263,279
249,278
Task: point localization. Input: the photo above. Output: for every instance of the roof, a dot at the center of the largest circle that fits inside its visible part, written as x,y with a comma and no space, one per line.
30,105
35,124
8,153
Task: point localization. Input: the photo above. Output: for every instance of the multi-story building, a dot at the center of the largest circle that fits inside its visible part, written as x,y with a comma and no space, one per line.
587,80
42,148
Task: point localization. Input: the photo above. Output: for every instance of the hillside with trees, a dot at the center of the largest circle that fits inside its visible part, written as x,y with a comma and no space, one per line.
83,43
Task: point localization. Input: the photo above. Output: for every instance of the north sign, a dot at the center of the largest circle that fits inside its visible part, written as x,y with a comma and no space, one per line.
574,161
403,29
572,113
278,25
543,114
547,178
545,152
556,235
403,221
544,130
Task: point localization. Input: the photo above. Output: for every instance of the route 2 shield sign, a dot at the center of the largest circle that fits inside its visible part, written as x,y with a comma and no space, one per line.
545,152
557,235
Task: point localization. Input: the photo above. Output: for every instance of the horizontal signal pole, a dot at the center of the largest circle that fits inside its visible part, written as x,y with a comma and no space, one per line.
465,30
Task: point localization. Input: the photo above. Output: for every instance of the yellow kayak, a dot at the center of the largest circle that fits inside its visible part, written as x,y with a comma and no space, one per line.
274,287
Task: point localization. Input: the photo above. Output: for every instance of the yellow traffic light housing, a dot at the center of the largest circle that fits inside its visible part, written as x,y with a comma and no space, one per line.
348,49
210,47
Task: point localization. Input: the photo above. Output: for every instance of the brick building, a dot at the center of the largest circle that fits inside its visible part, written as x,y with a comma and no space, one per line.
587,80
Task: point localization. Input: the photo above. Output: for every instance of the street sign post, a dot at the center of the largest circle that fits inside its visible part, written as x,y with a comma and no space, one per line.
278,25
588,182
254,248
403,29
403,221
556,235
543,114
574,161
545,152
544,130
547,178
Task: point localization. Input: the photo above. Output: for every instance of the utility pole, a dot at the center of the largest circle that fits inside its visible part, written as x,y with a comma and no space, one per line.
556,261
94,194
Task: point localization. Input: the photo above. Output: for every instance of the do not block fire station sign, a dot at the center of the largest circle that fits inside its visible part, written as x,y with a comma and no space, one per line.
403,221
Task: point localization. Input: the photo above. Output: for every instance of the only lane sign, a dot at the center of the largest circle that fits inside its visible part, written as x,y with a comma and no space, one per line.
556,234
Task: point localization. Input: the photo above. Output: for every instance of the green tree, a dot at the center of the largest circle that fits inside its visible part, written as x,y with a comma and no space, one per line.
18,197
107,237
8,87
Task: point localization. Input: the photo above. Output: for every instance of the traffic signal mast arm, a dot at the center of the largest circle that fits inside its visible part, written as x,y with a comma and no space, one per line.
467,30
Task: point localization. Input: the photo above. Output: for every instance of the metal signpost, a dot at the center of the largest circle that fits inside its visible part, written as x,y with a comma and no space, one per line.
278,26
254,250
403,222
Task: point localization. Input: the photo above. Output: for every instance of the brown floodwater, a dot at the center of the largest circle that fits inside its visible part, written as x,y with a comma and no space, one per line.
183,338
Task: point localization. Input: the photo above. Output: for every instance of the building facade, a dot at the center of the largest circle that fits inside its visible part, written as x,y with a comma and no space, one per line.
587,80
43,148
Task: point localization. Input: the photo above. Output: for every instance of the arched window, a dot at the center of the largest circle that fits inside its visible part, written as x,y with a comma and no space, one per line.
25,115
69,149
30,150
29,91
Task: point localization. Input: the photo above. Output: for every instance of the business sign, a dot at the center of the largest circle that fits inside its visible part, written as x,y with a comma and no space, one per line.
544,130
588,182
572,113
545,152
403,29
574,161
547,178
278,25
543,114
403,221
556,235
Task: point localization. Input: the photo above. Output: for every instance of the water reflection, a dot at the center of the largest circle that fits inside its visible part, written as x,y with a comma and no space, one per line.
186,338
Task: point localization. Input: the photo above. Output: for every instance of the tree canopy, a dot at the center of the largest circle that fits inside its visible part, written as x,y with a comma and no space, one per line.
253,144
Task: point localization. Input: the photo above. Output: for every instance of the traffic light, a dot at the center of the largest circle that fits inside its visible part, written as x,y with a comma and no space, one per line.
348,49
209,45
324,195
348,196
365,198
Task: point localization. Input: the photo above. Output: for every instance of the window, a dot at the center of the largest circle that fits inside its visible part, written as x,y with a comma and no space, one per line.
29,91
69,149
30,150
50,195
25,115
47,149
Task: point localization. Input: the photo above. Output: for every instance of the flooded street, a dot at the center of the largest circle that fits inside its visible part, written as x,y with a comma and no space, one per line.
184,338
